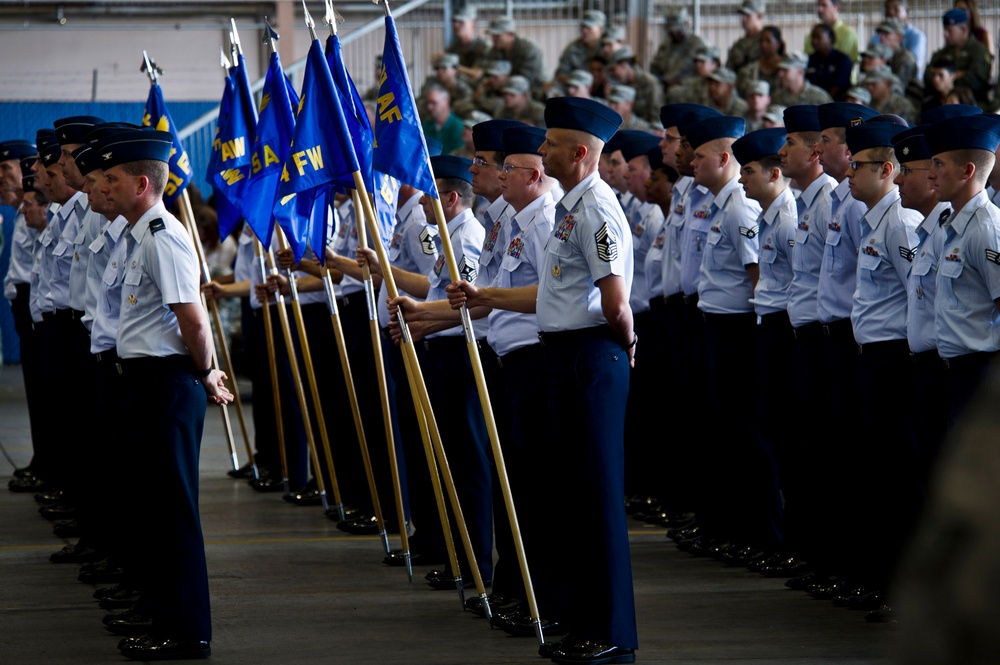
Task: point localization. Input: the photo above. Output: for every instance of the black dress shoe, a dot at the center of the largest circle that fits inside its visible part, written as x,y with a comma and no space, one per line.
788,567
66,529
523,626
871,600
75,554
27,484
50,497
547,649
350,514
802,582
245,471
684,533
58,512
396,558
129,622
498,605
307,498
167,649
267,483
881,615
445,581
831,590
740,556
593,654
366,526
110,574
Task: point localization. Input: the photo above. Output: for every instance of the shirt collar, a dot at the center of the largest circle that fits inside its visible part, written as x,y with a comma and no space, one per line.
138,230
810,193
724,193
961,219
874,216
573,196
784,198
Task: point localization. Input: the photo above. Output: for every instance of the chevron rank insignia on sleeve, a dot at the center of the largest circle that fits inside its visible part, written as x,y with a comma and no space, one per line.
907,253
427,240
750,232
993,255
468,270
607,247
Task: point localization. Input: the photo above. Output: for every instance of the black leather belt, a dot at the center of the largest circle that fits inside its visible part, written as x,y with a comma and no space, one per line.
152,363
356,299
887,346
440,344
839,327
976,359
811,330
578,335
109,356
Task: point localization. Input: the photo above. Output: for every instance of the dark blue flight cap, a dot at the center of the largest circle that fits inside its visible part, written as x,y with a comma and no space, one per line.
639,145
655,157
28,181
910,145
106,128
523,140
27,162
132,146
975,132
890,117
842,114
871,135
452,166
585,115
955,17
434,147
758,144
685,121
72,130
802,118
488,135
719,127
621,137
44,137
50,153
939,113
17,150
672,114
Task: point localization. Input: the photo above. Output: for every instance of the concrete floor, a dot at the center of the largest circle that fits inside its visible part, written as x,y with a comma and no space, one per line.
288,587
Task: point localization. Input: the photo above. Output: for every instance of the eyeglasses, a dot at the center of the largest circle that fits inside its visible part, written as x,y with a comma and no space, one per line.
667,138
854,165
508,168
480,162
907,170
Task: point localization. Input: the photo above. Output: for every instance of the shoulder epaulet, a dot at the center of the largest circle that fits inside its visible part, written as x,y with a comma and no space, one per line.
157,225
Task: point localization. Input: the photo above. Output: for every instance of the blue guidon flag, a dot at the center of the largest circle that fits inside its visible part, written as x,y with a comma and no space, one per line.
157,117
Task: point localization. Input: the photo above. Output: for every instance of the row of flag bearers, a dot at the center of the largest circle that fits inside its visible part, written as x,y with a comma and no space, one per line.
833,265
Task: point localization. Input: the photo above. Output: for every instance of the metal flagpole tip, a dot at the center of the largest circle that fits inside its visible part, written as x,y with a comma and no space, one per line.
223,60
310,23
234,36
269,33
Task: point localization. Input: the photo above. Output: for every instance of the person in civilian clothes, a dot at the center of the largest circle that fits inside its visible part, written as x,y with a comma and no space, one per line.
165,347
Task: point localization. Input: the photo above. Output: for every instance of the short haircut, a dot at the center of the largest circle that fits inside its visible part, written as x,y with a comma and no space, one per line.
809,137
669,171
823,27
153,169
768,162
886,154
983,160
461,187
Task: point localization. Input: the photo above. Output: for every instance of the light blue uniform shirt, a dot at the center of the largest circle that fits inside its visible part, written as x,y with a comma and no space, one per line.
697,220
887,242
108,301
40,300
731,245
466,235
522,260
60,257
345,243
160,270
920,284
777,241
591,239
100,250
838,275
812,206
87,230
24,242
672,232
968,281
497,224
646,222
413,247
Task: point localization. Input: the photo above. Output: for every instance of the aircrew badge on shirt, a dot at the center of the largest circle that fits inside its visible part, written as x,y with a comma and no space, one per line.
515,247
993,256
491,237
607,247
749,232
427,240
468,270
907,253
565,228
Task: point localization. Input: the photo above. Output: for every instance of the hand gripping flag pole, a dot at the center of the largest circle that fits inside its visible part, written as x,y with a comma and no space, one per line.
178,178
484,397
